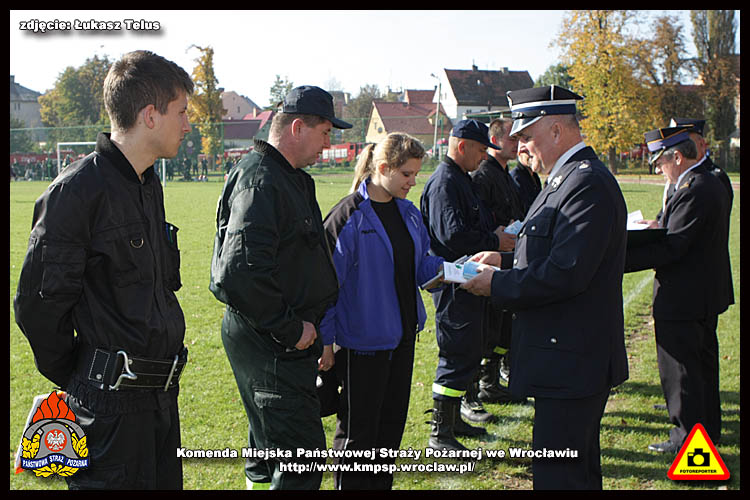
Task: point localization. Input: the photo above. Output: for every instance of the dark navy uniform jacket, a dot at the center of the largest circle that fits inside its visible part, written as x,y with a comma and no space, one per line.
455,217
693,275
528,185
566,286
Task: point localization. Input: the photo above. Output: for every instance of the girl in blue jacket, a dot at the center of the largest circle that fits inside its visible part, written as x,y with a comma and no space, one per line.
379,246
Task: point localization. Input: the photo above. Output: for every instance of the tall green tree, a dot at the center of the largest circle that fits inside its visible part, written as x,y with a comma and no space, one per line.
20,139
358,111
204,107
556,74
279,90
617,108
75,105
662,61
714,33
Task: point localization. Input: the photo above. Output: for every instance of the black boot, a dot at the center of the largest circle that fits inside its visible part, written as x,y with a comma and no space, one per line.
443,422
490,389
464,429
471,407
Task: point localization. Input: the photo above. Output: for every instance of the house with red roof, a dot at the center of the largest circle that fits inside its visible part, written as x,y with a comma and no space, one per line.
415,115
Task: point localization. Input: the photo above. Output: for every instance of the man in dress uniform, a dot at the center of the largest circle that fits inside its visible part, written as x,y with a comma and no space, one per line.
272,267
496,189
102,262
459,225
690,287
565,288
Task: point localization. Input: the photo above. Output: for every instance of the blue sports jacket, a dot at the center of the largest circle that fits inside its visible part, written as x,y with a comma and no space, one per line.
366,316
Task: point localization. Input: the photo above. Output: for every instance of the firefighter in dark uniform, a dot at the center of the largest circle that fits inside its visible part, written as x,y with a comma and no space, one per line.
527,181
565,288
458,225
102,262
690,287
496,189
272,267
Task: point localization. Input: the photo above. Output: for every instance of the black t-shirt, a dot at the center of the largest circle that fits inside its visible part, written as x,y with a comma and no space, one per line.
403,259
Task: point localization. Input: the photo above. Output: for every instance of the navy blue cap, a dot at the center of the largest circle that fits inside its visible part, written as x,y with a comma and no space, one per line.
661,139
310,100
474,130
697,125
529,105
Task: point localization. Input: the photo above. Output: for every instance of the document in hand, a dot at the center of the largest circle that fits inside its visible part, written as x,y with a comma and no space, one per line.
632,224
463,272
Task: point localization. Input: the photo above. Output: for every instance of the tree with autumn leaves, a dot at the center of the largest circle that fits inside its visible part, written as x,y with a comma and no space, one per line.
618,107
205,108
632,83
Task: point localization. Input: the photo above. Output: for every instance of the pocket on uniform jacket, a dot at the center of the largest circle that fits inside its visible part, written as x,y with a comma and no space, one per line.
62,269
308,231
129,253
172,278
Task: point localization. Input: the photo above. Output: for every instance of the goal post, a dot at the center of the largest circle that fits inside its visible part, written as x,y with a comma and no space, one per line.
59,165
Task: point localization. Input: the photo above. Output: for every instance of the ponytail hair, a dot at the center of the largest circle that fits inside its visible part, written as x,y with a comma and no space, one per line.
395,150
363,169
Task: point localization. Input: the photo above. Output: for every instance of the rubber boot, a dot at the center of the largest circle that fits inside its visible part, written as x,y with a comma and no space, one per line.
472,408
490,389
443,421
464,429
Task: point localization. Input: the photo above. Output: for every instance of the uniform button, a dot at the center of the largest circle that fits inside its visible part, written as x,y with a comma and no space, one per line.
513,315
553,340
98,376
515,261
533,228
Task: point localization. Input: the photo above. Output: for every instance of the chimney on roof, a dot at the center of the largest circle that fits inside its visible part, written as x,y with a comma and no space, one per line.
504,70
474,67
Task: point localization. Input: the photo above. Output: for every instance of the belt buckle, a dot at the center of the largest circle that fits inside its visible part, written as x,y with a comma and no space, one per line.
171,372
126,373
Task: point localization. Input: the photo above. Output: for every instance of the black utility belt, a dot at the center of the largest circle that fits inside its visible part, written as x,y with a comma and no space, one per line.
115,370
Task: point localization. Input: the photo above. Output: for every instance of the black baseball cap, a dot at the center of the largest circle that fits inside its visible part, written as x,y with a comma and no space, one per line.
311,100
474,130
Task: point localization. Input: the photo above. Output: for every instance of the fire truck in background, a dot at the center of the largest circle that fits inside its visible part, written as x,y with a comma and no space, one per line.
340,153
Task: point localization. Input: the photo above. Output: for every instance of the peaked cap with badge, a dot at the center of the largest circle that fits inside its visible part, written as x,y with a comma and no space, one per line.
661,139
530,105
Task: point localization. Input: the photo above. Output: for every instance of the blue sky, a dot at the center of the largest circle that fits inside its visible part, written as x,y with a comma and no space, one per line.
399,49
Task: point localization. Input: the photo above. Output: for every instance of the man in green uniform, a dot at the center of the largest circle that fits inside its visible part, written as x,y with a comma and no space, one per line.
272,267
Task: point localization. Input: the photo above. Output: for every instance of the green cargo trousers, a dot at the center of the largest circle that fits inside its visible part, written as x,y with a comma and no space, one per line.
278,390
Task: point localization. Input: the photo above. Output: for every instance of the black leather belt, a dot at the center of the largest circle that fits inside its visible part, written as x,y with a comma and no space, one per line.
115,370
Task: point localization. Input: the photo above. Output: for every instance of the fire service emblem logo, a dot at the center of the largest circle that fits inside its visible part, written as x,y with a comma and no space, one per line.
53,443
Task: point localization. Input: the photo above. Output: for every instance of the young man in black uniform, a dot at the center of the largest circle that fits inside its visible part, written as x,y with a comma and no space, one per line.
497,190
527,181
690,287
565,289
459,225
272,267
102,262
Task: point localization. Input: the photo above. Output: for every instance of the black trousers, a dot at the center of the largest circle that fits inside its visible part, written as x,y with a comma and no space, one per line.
280,398
688,357
459,327
561,424
135,450
376,386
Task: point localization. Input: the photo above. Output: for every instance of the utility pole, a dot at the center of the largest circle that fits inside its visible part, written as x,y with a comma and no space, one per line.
435,147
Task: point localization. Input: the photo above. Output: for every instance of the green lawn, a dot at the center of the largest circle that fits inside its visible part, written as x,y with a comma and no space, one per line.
213,417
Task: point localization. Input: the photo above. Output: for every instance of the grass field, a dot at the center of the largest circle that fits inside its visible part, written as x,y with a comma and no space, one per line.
212,415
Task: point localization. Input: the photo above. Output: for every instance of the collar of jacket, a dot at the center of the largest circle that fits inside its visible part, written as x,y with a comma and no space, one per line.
452,164
264,148
106,148
496,164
